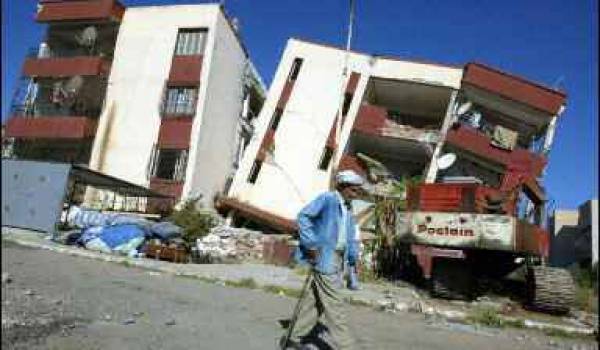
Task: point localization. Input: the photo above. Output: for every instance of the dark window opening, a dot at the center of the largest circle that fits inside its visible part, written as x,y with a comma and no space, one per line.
326,158
347,101
276,118
295,69
254,171
190,42
171,164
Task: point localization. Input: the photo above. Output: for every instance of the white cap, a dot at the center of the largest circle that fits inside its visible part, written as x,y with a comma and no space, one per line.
349,177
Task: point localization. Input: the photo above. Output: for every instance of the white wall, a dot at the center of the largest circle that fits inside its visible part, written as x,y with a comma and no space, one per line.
292,177
214,144
142,60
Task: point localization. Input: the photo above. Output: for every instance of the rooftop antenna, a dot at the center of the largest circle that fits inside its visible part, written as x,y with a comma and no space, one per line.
338,125
558,82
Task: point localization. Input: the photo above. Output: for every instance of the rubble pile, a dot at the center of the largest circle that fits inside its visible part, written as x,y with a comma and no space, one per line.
228,244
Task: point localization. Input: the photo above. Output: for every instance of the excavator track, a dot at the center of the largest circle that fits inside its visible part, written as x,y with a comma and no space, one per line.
451,279
550,289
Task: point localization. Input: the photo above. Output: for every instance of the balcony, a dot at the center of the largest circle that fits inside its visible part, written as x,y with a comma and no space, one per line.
185,71
172,188
175,133
377,121
61,66
79,10
485,83
57,127
479,144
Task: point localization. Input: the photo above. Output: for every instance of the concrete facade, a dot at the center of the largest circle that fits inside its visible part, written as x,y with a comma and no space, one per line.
126,145
289,176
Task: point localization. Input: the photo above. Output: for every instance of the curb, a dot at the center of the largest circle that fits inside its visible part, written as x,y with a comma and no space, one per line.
417,306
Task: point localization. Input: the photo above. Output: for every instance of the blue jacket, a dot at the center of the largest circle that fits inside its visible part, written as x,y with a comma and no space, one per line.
318,227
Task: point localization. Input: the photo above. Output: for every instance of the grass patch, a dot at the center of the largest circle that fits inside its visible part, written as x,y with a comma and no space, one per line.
127,263
358,302
249,283
489,317
486,317
586,287
554,332
301,270
290,292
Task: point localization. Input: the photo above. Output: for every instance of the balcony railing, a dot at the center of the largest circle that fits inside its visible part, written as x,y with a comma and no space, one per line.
175,109
53,110
64,52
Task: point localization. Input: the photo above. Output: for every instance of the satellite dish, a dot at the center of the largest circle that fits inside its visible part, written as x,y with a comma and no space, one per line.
464,108
446,161
74,84
88,37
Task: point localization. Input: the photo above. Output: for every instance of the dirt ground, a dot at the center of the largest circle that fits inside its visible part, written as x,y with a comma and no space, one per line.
55,301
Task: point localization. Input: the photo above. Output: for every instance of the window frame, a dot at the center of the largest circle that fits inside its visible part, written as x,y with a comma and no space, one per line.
180,100
185,40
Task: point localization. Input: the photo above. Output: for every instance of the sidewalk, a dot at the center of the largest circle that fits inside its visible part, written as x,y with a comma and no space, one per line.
385,296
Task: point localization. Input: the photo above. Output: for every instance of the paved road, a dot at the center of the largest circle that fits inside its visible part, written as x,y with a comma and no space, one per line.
56,301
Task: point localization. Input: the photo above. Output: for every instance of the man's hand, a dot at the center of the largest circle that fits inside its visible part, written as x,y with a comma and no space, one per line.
312,255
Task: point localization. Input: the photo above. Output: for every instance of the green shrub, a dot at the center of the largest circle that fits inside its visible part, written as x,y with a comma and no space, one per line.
195,222
586,287
487,317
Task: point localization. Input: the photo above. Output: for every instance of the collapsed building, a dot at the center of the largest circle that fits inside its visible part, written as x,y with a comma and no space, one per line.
454,157
401,114
159,96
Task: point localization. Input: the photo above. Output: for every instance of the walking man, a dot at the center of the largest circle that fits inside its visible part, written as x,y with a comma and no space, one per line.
327,238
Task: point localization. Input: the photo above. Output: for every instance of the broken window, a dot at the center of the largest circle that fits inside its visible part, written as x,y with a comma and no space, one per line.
254,171
326,158
295,69
190,42
171,164
276,118
181,100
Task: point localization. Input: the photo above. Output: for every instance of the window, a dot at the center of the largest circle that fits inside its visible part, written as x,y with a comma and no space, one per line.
254,171
276,118
326,158
295,69
190,42
171,164
181,101
347,101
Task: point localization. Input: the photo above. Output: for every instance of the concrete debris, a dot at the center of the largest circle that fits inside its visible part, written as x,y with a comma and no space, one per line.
229,243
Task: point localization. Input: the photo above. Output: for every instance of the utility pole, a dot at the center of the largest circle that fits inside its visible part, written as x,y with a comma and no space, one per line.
338,122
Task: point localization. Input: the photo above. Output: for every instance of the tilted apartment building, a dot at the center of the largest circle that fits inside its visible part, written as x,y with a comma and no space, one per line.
401,113
160,96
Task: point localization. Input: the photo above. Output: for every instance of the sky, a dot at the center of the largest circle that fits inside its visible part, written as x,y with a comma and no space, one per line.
554,42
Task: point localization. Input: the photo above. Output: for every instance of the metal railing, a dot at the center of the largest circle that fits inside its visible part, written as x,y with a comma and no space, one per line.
33,110
187,108
47,52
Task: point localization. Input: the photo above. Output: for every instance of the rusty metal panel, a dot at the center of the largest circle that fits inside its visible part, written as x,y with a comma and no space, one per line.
461,230
33,193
